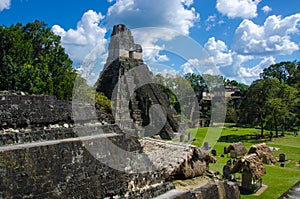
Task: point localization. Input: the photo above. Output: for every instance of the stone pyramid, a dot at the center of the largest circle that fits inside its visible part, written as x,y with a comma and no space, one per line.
140,105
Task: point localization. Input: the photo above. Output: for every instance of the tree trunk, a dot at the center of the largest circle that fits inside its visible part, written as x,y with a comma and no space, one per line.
262,129
282,130
276,124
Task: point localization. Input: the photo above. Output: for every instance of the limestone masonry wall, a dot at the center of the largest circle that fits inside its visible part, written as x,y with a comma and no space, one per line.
55,132
66,169
27,111
18,110
43,154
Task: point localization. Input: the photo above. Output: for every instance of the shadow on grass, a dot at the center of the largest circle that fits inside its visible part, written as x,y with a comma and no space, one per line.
242,138
234,138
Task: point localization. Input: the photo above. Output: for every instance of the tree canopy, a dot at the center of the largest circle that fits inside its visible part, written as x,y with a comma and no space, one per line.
286,72
33,61
273,101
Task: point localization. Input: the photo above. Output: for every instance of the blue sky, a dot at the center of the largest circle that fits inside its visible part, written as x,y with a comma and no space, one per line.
240,37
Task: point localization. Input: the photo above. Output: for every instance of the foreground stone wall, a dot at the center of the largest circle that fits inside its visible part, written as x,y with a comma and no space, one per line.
44,153
19,111
215,189
54,132
66,169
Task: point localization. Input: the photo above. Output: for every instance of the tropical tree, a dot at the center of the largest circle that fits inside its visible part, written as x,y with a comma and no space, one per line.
33,60
197,81
288,73
253,108
285,72
268,102
180,93
83,93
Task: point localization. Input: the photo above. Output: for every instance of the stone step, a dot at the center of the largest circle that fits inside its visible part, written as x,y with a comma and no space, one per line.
151,191
174,194
54,142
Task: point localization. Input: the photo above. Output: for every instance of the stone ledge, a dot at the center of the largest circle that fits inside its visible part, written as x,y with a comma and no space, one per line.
29,135
54,142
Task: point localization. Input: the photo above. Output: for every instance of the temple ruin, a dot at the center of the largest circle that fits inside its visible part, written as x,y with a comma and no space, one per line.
122,45
129,83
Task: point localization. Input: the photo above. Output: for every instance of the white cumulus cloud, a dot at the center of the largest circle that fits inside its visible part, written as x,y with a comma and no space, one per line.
166,72
225,62
238,8
4,4
250,74
272,38
177,16
82,41
266,9
210,22
202,66
191,66
220,55
149,37
154,13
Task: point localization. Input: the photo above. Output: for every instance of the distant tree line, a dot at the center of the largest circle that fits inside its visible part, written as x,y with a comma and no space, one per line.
200,84
271,102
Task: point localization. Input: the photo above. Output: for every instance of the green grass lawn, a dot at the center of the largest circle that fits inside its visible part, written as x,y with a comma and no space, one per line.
278,179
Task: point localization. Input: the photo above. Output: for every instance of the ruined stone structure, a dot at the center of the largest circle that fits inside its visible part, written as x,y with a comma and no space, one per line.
176,160
38,111
122,45
209,189
264,153
252,170
44,153
235,150
66,169
128,82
